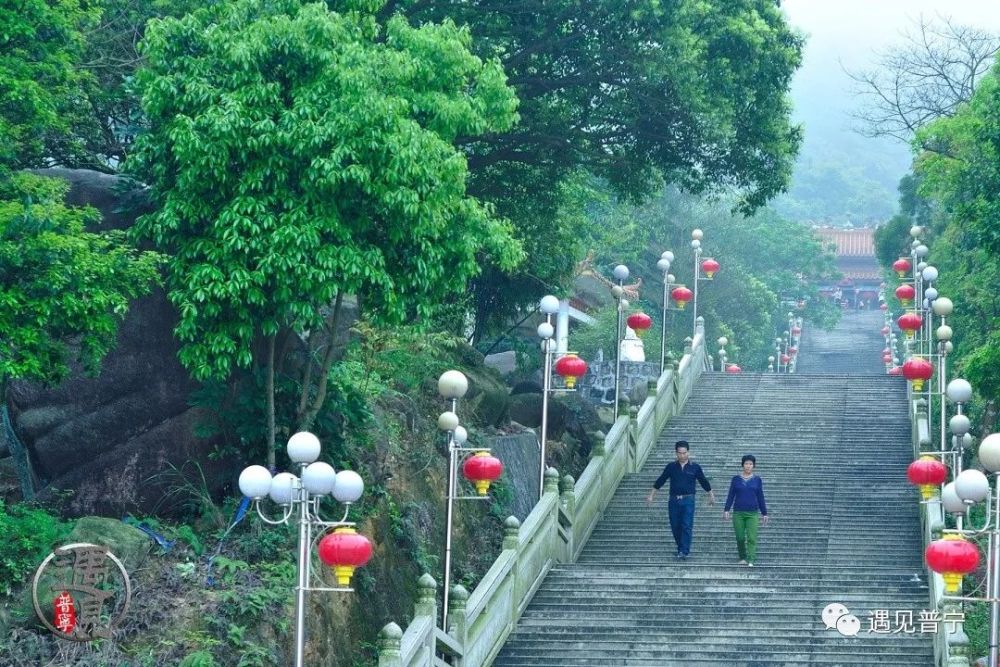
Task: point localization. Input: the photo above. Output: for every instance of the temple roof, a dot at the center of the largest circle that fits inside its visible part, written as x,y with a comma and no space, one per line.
849,242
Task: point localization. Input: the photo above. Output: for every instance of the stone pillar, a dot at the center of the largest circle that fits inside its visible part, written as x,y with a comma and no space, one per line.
957,641
567,501
389,643
510,527
688,342
457,627
632,462
551,480
426,597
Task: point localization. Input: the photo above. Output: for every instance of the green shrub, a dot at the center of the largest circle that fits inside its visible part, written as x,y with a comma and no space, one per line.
29,534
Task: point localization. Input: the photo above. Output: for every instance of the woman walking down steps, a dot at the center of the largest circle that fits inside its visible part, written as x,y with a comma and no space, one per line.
746,500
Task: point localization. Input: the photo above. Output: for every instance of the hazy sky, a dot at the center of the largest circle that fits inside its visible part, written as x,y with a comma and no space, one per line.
850,33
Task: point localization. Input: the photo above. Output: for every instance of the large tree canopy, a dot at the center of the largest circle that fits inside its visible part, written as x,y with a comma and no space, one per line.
298,155
636,93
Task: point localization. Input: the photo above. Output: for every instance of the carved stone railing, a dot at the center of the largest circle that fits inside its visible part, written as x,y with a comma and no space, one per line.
554,532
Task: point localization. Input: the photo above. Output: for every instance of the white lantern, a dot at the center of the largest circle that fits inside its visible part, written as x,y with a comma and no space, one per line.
930,274
697,234
723,341
283,488
959,425
952,503
349,486
621,272
303,447
915,231
696,244
972,485
546,331
943,306
255,482
663,265
453,384
931,293
549,305
989,452
667,255
959,391
460,435
448,421
944,332
319,478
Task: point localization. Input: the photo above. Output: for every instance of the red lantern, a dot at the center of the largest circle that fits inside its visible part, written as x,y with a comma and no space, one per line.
886,358
917,370
733,369
883,307
885,331
895,370
571,367
886,350
909,322
952,557
64,613
902,266
785,359
905,294
682,295
928,473
640,322
792,351
482,469
344,550
710,267
796,331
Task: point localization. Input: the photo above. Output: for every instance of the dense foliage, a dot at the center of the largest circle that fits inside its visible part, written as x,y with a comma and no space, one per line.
63,290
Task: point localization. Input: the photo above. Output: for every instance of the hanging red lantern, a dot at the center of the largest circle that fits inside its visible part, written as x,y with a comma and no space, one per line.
571,367
917,370
785,359
909,322
905,294
895,370
886,358
886,350
927,473
344,550
482,469
733,369
883,307
681,295
710,267
64,613
902,266
796,331
952,557
640,322
792,351
885,331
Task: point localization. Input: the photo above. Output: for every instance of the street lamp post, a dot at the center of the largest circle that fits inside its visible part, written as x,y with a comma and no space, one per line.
621,275
339,547
722,341
663,264
550,306
481,468
696,236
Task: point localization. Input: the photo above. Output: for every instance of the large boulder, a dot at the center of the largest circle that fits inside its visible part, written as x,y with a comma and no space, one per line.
105,439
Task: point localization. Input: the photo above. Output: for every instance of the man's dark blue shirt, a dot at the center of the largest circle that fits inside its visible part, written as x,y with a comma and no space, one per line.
682,479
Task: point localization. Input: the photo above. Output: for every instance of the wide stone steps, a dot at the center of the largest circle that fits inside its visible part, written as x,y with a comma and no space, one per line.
832,443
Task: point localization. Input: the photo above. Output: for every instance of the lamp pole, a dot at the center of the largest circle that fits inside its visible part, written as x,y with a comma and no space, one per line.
621,275
340,547
696,236
550,306
663,264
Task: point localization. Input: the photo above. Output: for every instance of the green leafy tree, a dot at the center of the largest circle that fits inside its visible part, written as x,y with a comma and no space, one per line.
63,290
41,88
636,93
959,176
299,155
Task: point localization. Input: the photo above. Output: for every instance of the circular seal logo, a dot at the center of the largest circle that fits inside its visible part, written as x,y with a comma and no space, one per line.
81,592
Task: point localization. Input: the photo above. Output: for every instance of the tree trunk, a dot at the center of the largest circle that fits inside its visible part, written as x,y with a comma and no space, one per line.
306,420
271,436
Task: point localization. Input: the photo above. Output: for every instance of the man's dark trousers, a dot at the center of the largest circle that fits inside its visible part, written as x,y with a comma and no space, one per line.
681,511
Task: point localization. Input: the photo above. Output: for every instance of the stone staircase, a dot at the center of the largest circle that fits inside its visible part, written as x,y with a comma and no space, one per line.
832,450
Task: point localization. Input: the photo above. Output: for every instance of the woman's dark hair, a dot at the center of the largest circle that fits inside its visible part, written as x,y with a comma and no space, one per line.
748,457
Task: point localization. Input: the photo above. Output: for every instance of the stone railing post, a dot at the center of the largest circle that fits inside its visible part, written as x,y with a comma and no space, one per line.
567,502
511,526
957,641
426,597
632,442
457,620
389,644
688,342
551,480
